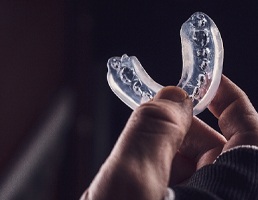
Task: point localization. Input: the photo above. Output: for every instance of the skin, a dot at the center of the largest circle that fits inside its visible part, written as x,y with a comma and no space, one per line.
163,143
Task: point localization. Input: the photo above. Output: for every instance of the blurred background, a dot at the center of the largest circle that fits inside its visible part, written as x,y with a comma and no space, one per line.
58,117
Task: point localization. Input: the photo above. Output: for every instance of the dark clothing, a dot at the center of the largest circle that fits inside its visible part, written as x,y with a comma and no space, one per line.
234,176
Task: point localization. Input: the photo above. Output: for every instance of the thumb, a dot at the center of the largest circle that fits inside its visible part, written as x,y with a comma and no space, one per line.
141,160
157,128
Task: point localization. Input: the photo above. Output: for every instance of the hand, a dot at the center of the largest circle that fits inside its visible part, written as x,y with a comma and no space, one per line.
140,164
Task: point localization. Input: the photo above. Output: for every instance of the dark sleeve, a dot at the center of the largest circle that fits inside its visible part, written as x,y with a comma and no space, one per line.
234,175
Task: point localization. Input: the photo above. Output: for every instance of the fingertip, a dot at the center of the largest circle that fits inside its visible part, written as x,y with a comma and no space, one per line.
172,93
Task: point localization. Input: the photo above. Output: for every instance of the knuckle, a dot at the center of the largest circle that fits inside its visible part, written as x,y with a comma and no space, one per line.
158,117
155,111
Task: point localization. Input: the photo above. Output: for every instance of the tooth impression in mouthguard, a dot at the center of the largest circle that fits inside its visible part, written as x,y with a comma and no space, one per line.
202,52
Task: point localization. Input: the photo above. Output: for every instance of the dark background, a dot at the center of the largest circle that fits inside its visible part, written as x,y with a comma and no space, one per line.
55,53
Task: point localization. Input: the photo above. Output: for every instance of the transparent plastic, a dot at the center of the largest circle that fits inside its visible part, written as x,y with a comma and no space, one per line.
202,52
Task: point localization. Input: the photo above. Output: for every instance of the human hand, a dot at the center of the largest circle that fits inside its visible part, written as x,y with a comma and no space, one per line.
140,164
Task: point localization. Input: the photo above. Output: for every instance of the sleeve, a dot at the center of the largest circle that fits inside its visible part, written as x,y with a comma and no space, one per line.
234,175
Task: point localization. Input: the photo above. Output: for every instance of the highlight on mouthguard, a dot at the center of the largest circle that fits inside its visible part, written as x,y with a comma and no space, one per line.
202,52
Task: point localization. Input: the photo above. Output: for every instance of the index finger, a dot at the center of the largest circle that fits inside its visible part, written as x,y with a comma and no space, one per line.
233,109
227,93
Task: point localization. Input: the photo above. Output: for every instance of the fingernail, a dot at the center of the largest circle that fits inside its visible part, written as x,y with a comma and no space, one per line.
172,93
